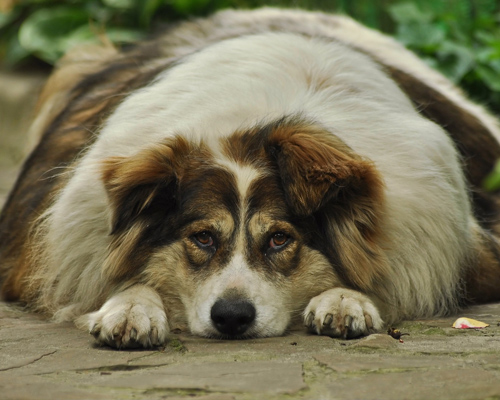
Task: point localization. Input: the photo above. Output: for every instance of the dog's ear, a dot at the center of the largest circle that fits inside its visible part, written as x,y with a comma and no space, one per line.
140,188
316,167
323,177
136,185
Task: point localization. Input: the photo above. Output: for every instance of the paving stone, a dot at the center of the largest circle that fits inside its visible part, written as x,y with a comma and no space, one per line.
465,343
297,343
208,397
38,389
443,384
252,377
345,363
487,361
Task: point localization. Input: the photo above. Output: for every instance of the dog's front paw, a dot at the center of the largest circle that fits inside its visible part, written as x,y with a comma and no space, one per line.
342,313
130,319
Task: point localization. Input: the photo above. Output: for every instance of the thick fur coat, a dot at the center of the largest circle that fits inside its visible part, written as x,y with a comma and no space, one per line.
247,171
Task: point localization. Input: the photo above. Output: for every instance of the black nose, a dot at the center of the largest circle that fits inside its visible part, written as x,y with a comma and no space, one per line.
232,317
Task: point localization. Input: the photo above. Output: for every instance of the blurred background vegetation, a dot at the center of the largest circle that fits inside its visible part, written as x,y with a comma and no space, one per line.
461,38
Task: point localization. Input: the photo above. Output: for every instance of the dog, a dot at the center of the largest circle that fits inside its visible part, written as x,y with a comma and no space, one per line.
246,172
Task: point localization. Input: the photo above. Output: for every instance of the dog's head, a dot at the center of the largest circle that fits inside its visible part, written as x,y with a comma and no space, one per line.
245,233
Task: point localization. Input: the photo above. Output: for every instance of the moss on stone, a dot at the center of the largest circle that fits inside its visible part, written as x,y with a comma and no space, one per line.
177,345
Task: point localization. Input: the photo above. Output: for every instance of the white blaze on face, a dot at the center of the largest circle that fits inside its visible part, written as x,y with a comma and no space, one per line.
272,315
244,174
239,278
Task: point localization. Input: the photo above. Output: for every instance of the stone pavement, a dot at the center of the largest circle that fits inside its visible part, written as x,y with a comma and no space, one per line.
43,360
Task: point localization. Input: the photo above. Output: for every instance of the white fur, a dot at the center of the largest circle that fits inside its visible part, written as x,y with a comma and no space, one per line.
272,317
244,175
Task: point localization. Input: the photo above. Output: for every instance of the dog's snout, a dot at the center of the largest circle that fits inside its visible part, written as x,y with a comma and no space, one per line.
232,317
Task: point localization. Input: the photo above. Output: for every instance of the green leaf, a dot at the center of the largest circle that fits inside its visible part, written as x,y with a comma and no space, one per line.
455,60
430,61
405,13
492,181
423,36
45,32
7,18
485,37
14,52
88,34
485,54
489,76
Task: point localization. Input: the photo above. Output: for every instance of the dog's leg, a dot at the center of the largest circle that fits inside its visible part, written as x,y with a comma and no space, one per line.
342,313
134,317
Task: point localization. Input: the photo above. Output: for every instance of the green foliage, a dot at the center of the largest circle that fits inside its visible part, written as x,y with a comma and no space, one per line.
492,181
466,50
46,29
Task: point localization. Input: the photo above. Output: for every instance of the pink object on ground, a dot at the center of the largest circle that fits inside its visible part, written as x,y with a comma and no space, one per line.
468,323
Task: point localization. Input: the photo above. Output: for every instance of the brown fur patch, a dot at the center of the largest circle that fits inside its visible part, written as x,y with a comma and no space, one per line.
483,278
314,165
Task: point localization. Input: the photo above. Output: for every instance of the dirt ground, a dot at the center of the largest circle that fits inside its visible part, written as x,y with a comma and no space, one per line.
43,360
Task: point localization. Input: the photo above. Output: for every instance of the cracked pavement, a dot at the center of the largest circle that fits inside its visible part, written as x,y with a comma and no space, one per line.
40,359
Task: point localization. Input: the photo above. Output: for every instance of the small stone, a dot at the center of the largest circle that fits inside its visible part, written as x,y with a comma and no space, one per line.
376,341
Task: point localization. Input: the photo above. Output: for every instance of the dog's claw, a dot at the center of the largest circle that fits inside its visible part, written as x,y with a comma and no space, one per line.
328,320
95,331
309,319
369,322
347,326
133,334
154,336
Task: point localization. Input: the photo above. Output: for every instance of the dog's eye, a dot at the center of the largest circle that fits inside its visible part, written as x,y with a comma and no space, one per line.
203,239
278,240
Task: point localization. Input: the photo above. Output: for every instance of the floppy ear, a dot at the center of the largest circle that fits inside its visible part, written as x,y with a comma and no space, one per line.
140,186
316,167
133,183
322,176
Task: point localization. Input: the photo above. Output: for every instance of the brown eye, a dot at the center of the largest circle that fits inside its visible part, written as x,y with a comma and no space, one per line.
278,240
203,239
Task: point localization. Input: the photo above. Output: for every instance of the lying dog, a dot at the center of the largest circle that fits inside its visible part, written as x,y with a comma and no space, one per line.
248,170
